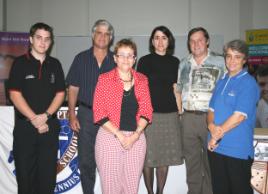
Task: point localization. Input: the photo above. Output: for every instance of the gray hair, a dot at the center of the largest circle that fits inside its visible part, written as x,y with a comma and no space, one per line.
104,23
236,45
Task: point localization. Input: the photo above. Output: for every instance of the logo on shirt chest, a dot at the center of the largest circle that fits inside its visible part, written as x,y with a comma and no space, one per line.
232,93
31,76
52,78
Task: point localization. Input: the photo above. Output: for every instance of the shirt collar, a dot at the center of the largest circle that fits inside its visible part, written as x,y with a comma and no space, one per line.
193,62
242,73
30,57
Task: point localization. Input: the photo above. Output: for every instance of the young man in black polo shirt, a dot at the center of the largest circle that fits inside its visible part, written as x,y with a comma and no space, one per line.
37,89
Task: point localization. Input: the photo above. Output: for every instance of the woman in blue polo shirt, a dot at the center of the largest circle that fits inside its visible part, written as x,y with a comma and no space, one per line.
231,121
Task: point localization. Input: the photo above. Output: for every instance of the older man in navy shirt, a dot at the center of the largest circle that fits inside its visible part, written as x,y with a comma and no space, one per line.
82,79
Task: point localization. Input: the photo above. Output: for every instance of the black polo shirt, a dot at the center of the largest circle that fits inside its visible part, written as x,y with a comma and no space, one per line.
84,73
37,82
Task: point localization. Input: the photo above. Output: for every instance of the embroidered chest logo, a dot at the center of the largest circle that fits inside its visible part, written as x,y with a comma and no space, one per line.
52,78
232,93
29,76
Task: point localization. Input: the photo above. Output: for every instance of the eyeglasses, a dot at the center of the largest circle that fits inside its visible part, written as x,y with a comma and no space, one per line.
128,57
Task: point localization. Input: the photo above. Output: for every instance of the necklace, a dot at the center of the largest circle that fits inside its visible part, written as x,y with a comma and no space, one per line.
131,78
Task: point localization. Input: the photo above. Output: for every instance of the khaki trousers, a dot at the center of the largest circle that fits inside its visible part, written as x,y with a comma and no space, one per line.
194,133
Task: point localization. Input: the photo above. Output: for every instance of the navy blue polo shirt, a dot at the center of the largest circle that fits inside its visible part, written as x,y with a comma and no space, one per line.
239,93
84,73
37,82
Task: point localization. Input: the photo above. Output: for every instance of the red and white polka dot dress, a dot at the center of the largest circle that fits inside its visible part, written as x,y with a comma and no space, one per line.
120,169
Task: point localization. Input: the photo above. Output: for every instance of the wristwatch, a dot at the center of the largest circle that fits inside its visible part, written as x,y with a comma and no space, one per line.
48,115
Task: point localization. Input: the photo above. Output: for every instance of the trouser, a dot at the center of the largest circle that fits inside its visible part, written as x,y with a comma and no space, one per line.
35,157
86,149
119,169
194,129
230,175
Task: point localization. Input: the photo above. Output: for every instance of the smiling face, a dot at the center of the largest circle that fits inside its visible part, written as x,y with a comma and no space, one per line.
40,42
101,37
124,58
234,61
198,44
160,42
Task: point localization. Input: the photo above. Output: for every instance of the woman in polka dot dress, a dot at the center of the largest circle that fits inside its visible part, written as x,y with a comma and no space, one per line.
122,107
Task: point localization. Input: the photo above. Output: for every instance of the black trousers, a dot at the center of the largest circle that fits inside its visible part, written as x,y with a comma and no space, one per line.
230,175
35,157
86,149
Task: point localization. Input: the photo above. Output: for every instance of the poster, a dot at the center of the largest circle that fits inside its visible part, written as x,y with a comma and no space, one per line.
12,44
257,41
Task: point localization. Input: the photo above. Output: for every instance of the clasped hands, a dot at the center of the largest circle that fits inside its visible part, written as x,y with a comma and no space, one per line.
39,122
127,141
216,134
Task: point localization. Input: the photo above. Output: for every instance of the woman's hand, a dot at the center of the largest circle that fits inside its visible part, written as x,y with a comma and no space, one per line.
130,140
127,141
122,139
212,144
216,131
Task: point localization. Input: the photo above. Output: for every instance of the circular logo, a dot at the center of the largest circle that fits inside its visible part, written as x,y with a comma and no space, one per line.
68,174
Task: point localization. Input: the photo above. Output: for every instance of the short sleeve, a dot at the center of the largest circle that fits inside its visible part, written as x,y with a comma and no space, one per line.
16,78
145,106
247,98
99,105
73,76
60,82
211,105
179,81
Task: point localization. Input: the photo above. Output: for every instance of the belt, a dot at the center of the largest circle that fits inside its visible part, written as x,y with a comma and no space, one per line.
85,105
197,112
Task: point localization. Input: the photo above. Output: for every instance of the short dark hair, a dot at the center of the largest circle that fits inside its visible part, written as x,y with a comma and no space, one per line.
40,25
171,39
236,45
125,43
194,30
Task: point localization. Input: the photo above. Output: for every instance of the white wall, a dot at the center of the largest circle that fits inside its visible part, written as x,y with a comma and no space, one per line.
217,16
260,14
246,16
139,17
68,17
21,14
229,18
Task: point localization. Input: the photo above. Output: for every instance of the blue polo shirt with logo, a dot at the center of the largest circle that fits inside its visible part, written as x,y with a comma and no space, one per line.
239,93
